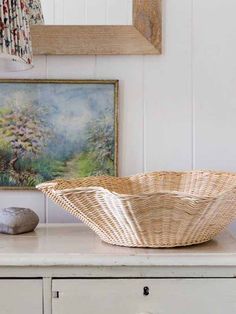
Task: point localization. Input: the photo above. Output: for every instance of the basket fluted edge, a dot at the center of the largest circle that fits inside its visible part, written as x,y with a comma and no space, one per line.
160,218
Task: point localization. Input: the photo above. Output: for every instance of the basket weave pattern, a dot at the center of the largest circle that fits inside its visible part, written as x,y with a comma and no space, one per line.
161,209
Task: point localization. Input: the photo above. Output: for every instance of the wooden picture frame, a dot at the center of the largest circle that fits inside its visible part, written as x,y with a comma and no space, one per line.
144,37
13,139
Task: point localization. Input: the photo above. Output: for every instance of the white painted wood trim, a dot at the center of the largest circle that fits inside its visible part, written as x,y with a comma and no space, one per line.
47,295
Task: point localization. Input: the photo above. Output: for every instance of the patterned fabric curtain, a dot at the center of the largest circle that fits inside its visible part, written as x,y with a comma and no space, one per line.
15,42
35,12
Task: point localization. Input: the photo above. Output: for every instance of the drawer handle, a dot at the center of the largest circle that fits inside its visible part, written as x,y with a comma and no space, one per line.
55,294
146,291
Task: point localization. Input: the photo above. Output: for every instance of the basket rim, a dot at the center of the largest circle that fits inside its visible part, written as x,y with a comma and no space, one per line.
101,190
98,189
81,179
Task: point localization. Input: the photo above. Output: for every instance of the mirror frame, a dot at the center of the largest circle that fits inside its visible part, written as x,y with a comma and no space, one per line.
144,37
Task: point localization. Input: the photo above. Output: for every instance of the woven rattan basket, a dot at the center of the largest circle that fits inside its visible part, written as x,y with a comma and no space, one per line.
161,209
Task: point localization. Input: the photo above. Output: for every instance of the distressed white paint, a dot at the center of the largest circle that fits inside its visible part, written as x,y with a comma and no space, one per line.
177,111
75,245
197,279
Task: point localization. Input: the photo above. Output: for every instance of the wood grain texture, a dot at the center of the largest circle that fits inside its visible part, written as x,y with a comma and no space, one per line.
89,40
147,19
143,38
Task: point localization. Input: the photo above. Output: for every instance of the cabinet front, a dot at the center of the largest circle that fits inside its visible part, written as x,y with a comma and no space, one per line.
144,296
21,296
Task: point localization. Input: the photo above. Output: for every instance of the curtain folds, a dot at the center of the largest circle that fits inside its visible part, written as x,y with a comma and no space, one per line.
15,19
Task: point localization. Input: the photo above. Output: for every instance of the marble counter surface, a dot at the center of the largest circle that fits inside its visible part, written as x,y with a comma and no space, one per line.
76,245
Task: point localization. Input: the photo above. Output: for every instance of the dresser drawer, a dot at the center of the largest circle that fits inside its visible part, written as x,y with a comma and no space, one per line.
21,296
141,296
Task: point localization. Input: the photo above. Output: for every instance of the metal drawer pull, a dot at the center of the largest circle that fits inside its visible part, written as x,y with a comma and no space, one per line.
55,294
146,291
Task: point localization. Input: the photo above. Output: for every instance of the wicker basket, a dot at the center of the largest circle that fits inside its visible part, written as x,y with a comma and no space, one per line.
161,209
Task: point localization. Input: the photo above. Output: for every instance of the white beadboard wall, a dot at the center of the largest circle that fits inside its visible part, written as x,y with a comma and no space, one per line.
177,110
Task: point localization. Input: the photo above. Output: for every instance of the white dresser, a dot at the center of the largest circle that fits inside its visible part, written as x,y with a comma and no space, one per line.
66,269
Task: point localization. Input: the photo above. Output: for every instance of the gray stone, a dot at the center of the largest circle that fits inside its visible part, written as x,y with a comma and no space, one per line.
15,220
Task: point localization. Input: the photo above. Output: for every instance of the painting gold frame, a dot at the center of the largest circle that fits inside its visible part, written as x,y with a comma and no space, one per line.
115,83
144,37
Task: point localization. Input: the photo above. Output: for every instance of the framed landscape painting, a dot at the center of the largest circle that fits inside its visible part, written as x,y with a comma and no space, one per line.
57,129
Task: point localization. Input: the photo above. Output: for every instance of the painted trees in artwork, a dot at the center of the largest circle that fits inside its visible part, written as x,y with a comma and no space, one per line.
101,144
23,133
50,131
97,156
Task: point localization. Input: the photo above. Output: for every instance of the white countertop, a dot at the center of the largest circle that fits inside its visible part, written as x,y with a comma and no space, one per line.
76,245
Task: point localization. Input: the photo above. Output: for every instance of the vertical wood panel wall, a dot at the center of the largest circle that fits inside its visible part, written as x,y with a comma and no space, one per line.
92,12
178,110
